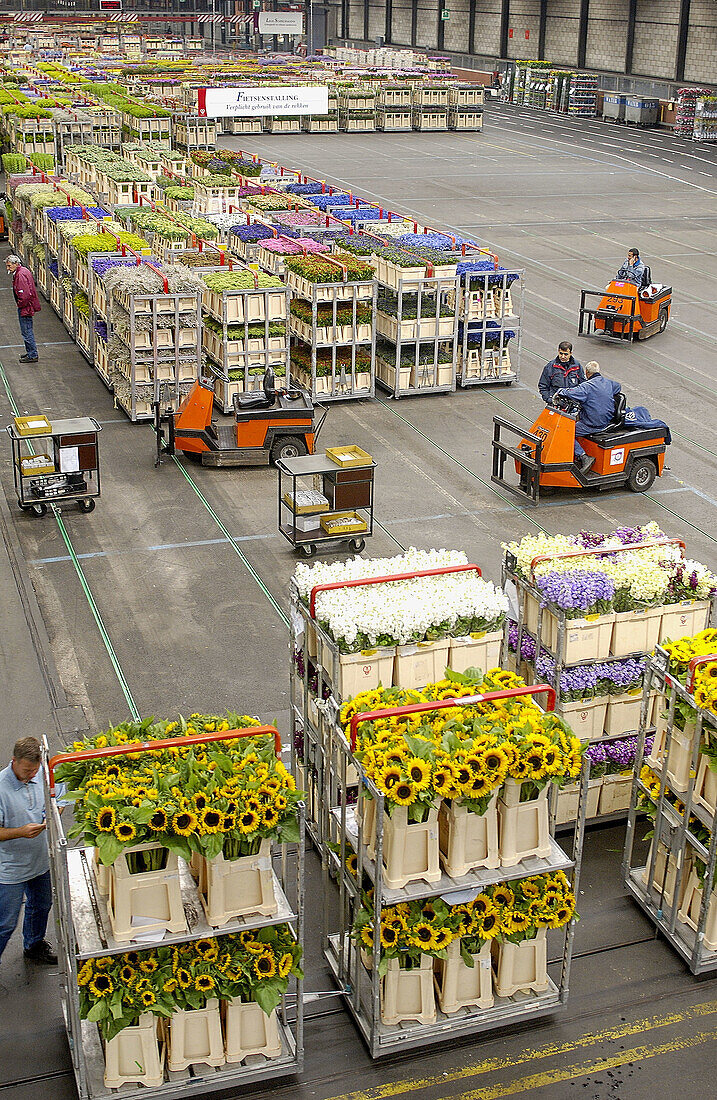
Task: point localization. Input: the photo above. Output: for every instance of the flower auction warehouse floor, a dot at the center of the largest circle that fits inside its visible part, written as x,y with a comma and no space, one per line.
174,593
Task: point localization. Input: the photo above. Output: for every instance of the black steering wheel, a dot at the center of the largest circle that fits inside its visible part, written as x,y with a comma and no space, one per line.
563,403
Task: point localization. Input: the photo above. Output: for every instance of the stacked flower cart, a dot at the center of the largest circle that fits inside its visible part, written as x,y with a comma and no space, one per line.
489,308
568,632
675,784
137,911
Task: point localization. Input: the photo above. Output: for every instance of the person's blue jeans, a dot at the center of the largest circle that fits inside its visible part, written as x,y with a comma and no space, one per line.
580,429
37,893
28,335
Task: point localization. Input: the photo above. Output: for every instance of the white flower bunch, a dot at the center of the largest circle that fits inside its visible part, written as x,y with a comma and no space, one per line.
307,577
410,610
533,546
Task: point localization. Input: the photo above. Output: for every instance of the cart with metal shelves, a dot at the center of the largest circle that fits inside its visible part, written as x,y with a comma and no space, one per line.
322,502
361,985
335,359
417,325
590,641
68,471
85,932
489,307
675,885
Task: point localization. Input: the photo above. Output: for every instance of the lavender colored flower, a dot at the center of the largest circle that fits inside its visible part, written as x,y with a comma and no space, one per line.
73,213
254,232
305,188
577,593
362,214
439,241
617,677
323,202
598,760
101,329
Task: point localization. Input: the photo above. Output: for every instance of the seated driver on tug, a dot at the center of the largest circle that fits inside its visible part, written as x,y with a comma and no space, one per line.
596,397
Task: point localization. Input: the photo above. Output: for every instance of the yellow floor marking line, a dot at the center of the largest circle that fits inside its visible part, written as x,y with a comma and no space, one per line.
491,1065
584,1069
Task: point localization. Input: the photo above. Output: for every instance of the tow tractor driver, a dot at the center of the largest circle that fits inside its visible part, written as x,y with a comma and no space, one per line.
633,268
596,397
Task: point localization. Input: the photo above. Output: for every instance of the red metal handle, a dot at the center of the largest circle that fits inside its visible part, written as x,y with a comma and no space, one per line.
443,704
704,659
601,552
155,746
438,572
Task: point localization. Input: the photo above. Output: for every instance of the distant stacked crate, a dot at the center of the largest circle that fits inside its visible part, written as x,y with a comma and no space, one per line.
489,309
195,133
357,108
323,124
465,110
418,331
583,95
706,119
393,106
430,106
685,114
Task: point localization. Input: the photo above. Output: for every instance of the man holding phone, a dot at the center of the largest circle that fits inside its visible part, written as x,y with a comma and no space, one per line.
24,859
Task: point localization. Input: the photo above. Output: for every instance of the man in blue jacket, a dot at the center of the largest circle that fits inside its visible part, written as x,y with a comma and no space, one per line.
596,397
633,268
560,373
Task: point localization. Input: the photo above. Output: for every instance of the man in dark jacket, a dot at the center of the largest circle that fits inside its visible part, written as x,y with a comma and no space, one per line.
596,397
28,304
560,373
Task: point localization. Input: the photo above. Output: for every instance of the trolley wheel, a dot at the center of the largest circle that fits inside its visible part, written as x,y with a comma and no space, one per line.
38,509
86,505
642,475
663,318
287,446
357,545
194,457
308,549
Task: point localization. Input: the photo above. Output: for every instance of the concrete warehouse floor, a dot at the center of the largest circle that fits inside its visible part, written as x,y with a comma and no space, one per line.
185,596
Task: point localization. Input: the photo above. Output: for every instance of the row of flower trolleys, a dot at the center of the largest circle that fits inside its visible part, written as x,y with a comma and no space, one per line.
151,912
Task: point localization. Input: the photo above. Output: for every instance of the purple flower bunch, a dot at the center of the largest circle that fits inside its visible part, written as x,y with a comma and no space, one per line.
577,682
616,677
682,583
577,593
494,336
304,189
487,267
527,645
615,757
101,329
362,214
440,241
323,202
53,267
102,264
252,233
73,213
628,536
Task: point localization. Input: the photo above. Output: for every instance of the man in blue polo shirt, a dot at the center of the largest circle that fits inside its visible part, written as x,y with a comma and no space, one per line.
24,860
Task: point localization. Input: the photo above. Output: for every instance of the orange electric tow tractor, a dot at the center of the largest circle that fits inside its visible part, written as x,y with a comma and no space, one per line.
543,457
625,311
267,426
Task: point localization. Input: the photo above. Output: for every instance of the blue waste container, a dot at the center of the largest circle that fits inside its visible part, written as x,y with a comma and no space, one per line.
613,107
642,111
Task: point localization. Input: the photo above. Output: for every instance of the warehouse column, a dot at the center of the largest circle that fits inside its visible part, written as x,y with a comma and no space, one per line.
583,32
504,19
682,31
541,29
365,20
472,26
414,22
344,19
630,41
441,23
389,21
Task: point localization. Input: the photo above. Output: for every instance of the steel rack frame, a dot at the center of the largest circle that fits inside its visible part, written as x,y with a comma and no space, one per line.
83,932
361,989
673,828
487,310
407,338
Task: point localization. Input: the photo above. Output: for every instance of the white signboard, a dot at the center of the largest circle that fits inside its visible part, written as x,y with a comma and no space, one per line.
281,22
283,100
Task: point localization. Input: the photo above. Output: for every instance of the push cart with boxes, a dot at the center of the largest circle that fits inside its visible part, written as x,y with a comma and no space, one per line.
55,462
326,498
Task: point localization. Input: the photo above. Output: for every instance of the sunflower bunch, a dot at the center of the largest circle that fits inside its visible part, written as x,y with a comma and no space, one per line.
224,796
408,930
261,965
681,653
116,989
525,905
544,751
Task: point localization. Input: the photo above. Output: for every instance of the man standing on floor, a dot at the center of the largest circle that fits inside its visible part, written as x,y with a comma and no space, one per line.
24,859
560,373
28,304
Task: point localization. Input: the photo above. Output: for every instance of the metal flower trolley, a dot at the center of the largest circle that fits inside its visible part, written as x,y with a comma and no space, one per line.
84,931
327,500
675,886
360,984
68,469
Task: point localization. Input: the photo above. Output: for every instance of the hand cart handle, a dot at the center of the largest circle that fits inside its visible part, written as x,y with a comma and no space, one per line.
438,572
703,659
156,746
96,423
443,704
602,551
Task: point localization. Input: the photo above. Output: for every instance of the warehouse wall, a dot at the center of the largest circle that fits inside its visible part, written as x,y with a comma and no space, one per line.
654,47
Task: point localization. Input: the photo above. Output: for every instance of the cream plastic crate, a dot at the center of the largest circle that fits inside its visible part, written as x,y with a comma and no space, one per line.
615,793
666,868
523,826
586,717
679,761
636,631
689,911
364,671
468,840
521,967
195,1036
569,798
623,712
459,986
585,639
151,894
246,306
420,663
327,292
688,617
705,792
249,1031
408,994
393,276
410,851
238,888
135,1056
475,651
